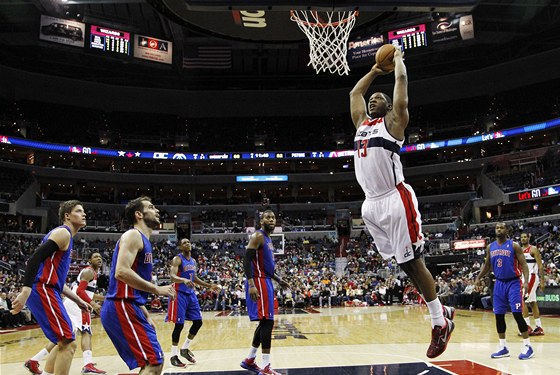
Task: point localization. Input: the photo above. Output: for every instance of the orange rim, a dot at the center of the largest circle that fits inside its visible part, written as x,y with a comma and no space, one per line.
294,17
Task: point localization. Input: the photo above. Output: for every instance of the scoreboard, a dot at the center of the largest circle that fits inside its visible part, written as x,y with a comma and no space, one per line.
409,37
109,40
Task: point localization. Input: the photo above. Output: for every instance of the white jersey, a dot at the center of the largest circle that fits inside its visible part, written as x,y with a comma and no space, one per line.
81,320
377,161
531,261
92,285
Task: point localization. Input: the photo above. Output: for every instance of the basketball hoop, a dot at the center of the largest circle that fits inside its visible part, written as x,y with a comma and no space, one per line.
327,38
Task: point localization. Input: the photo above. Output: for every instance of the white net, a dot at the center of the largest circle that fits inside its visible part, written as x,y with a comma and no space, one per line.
328,38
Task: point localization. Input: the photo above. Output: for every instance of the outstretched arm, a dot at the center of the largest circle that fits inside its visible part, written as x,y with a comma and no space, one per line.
358,108
399,114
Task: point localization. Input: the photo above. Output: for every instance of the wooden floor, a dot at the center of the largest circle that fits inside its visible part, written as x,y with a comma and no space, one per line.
326,338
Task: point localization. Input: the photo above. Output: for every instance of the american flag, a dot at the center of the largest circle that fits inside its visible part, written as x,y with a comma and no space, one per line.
207,57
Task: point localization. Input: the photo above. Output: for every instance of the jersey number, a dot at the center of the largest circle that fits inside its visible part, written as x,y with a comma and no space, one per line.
362,152
499,262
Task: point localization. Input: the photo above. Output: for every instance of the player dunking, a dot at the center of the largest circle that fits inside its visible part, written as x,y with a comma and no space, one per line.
44,282
259,265
81,320
185,306
390,210
536,280
505,258
123,315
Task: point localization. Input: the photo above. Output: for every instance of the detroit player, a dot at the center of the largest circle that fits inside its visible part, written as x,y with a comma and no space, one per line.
390,210
123,315
536,274
81,320
505,258
259,265
44,282
185,306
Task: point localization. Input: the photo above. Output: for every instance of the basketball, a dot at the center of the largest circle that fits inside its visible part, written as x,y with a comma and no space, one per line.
384,57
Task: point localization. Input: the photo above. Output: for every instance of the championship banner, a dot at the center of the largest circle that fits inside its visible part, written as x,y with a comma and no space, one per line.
456,29
153,49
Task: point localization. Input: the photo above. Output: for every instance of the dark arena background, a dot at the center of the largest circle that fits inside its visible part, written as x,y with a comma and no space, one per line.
212,109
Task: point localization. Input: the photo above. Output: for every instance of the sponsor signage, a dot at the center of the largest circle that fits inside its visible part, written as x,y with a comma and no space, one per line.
469,244
362,50
531,194
62,31
265,178
549,300
148,48
264,155
455,29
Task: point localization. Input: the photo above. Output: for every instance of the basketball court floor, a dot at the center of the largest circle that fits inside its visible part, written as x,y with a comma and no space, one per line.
349,340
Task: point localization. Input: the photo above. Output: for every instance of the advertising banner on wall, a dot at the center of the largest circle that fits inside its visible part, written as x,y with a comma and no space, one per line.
62,31
148,48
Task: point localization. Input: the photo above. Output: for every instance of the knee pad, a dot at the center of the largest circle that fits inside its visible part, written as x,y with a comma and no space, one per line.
521,323
196,324
501,323
266,333
176,335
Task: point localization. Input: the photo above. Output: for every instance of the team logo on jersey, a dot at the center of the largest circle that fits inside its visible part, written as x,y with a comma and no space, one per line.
271,246
407,252
148,258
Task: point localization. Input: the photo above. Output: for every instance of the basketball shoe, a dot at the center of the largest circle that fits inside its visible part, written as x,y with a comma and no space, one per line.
503,352
269,371
188,355
251,365
90,369
537,332
33,367
448,312
175,361
527,352
440,339
529,331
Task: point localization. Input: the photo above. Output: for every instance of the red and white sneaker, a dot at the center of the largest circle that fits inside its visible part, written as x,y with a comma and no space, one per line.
91,369
251,365
529,331
269,371
33,367
537,332
448,312
440,339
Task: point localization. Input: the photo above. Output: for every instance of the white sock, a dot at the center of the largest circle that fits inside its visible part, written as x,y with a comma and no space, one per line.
527,342
528,321
174,350
186,344
253,352
538,322
41,355
88,357
502,343
436,313
266,360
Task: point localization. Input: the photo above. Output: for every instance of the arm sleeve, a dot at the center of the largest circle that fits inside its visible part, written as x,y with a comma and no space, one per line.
250,254
44,251
81,292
